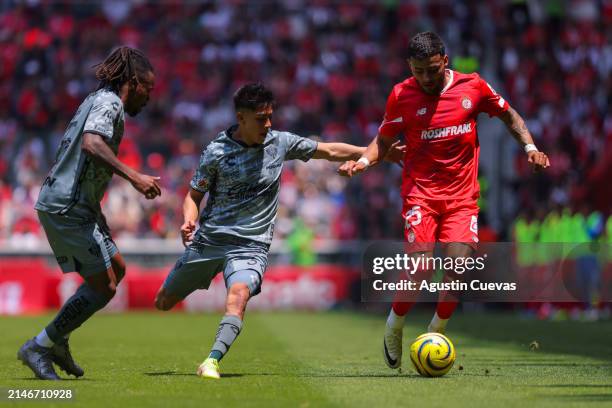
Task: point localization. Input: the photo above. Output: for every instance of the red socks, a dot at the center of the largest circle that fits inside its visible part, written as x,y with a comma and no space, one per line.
401,308
446,309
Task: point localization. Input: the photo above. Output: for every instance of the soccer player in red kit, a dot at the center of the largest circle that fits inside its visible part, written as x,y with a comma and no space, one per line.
436,109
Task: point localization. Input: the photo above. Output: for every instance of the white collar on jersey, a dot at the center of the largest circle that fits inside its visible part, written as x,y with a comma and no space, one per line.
450,81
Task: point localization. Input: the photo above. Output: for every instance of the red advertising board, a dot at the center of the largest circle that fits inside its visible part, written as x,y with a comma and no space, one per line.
32,285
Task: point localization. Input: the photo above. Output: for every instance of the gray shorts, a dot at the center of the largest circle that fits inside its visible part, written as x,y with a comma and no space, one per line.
79,245
201,263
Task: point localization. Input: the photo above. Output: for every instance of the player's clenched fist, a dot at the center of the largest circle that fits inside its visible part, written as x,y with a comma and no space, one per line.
396,153
147,185
187,230
539,160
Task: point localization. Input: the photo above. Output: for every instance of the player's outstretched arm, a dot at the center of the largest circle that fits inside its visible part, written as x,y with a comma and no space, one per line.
95,147
191,211
516,125
338,151
380,148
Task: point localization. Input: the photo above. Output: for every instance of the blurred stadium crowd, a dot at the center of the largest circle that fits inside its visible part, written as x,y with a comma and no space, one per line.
331,65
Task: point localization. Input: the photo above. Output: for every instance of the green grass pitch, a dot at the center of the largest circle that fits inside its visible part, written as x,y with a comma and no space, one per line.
320,360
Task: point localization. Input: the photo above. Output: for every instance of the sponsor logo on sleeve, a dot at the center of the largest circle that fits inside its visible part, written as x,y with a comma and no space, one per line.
466,103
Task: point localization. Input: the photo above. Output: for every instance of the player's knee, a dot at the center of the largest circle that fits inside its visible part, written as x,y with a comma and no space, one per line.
118,269
119,272
108,290
111,292
239,296
241,292
164,302
159,305
102,285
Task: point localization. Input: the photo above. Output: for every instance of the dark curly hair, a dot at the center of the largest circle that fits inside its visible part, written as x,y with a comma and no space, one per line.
253,96
425,45
121,66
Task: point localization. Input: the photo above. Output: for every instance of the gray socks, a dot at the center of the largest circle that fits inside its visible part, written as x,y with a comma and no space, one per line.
229,329
80,307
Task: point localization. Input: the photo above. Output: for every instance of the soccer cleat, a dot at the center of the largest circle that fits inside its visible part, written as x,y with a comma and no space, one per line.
39,359
392,347
63,358
209,369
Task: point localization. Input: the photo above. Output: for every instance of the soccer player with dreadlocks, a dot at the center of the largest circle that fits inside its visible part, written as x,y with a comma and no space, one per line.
436,110
69,204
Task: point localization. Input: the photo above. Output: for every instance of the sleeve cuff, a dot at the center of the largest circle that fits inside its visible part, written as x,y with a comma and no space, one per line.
97,132
196,188
312,152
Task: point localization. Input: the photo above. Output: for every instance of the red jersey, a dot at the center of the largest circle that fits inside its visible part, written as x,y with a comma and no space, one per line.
442,147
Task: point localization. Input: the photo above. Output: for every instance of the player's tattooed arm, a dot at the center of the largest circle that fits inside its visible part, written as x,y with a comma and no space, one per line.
517,127
95,147
191,211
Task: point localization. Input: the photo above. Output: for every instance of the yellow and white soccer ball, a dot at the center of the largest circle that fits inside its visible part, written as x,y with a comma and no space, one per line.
432,354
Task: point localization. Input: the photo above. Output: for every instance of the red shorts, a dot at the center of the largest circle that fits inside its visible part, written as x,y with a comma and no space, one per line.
429,221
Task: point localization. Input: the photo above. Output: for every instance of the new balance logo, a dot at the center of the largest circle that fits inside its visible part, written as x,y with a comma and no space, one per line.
447,131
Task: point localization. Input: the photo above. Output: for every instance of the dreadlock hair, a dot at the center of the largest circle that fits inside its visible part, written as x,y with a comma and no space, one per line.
425,45
121,66
252,96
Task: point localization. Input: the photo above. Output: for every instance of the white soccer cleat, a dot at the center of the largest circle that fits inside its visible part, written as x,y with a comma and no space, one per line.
209,369
392,347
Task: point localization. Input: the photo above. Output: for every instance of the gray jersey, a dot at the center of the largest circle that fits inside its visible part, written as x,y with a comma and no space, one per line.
243,185
76,183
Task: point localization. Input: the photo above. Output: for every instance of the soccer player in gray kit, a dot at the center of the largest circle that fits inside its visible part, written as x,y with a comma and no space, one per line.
69,204
241,171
